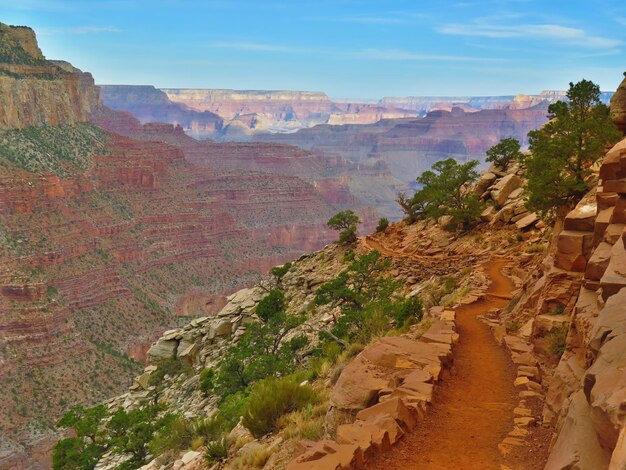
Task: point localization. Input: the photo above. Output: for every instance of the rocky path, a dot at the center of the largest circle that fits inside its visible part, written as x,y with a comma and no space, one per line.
473,408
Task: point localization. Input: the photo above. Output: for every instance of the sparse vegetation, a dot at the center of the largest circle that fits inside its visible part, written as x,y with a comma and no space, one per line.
345,223
383,223
272,398
504,152
557,340
445,192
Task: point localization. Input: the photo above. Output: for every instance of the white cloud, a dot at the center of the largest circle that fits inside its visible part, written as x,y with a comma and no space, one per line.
561,34
400,55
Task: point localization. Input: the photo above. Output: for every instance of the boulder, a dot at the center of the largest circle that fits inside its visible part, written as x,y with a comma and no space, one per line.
573,250
614,277
527,221
583,216
327,455
484,182
613,233
501,190
598,262
488,214
577,445
163,349
618,106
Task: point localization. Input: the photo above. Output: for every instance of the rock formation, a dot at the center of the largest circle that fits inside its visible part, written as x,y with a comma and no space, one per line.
107,240
410,146
618,106
34,91
151,105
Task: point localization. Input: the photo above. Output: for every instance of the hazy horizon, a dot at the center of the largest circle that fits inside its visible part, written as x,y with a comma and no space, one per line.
348,49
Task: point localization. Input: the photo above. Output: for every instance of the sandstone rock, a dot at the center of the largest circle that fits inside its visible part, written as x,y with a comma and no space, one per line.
163,349
545,323
327,455
614,277
501,190
488,214
598,262
583,216
613,233
527,221
484,182
618,107
573,250
393,407
577,444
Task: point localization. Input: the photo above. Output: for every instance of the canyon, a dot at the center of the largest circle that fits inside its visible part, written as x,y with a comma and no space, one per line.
112,232
408,147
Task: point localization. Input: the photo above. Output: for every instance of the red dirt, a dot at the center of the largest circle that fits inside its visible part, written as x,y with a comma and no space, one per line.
473,408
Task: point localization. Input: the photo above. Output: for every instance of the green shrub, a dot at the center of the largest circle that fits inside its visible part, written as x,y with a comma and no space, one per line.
557,340
207,380
407,311
217,450
270,305
503,153
175,435
271,398
171,367
280,271
345,222
383,223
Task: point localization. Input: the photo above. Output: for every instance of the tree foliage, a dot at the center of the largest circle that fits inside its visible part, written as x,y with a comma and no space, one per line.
444,192
563,151
345,223
261,351
504,152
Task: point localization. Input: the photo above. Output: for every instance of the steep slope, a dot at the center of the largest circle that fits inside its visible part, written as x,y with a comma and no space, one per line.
108,240
34,91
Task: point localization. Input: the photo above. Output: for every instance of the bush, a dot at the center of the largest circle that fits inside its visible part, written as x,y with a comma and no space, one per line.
270,305
175,434
383,223
443,193
207,380
217,450
503,153
557,340
272,398
345,222
280,271
170,367
407,311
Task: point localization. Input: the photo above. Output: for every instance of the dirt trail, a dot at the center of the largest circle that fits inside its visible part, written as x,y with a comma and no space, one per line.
473,407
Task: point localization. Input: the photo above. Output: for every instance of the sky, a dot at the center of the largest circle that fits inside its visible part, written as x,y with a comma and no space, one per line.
346,48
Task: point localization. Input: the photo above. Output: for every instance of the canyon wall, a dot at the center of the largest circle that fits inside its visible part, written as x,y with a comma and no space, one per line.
34,91
151,105
110,234
410,146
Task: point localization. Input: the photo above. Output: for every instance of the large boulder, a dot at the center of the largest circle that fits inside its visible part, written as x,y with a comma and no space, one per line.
618,106
577,446
484,182
573,250
501,190
163,349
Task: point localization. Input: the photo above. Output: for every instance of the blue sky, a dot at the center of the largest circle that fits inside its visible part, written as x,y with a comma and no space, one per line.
347,48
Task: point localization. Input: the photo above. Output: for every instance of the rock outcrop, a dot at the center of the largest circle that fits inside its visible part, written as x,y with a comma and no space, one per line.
148,104
410,146
35,91
618,106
